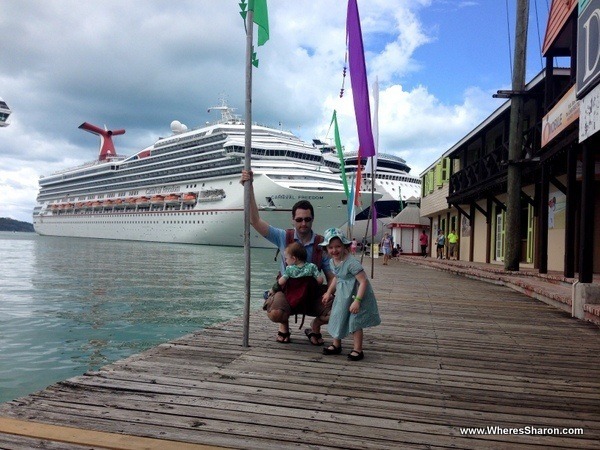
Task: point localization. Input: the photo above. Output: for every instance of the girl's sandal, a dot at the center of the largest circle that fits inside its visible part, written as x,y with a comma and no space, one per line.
332,350
355,356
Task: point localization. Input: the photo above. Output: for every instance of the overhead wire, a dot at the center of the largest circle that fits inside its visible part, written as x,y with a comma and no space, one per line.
539,33
537,21
509,40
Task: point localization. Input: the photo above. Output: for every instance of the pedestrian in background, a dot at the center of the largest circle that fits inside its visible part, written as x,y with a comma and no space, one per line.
452,241
386,248
424,240
440,244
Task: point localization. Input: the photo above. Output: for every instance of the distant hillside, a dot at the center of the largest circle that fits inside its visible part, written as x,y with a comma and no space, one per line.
7,224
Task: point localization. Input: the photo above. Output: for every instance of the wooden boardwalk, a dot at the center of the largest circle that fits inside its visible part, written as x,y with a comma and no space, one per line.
451,353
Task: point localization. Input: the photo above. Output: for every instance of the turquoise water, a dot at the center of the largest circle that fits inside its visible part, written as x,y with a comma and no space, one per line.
68,305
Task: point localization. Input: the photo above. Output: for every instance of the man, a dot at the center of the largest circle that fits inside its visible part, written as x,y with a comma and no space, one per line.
278,308
452,241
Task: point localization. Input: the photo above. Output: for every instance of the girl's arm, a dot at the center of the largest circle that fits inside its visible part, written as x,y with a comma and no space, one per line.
317,274
363,282
330,290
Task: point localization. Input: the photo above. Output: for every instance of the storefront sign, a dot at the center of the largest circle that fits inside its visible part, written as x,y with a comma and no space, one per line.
589,110
560,117
588,47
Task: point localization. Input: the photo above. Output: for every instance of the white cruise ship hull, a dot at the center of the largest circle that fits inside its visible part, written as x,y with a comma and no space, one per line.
214,222
185,187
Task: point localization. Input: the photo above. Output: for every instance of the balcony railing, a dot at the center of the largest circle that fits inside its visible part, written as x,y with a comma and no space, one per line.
492,164
482,170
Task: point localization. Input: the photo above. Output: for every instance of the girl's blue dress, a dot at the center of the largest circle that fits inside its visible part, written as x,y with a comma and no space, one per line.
342,322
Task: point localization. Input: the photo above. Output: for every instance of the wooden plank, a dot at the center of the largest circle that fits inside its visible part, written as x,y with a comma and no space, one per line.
79,437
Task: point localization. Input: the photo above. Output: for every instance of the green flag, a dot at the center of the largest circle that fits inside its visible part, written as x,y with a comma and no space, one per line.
261,18
340,151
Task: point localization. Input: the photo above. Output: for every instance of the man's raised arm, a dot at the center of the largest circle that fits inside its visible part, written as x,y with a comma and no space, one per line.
257,223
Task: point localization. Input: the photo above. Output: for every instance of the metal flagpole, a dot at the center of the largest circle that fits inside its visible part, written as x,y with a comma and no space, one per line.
373,218
247,166
373,161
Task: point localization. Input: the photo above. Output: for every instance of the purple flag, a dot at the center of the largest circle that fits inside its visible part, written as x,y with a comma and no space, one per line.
358,79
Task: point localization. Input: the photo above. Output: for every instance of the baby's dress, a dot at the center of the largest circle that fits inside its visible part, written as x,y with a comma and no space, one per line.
342,322
306,270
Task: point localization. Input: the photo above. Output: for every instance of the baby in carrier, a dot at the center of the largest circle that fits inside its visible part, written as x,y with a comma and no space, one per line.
299,276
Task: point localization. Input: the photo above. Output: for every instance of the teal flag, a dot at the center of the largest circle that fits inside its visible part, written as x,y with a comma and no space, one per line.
261,19
351,215
340,152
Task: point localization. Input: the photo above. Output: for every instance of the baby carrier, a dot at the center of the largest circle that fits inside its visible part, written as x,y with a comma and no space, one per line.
298,291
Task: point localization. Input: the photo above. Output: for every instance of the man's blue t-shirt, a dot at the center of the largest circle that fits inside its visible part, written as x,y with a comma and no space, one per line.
277,237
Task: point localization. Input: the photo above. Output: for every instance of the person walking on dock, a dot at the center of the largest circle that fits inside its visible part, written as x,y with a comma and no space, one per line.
386,247
440,242
424,241
452,241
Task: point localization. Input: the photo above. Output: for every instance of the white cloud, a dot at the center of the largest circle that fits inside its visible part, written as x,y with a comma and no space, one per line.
415,124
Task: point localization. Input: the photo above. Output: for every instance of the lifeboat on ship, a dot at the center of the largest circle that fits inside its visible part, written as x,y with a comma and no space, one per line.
173,199
157,199
142,201
96,205
189,198
211,195
119,203
130,201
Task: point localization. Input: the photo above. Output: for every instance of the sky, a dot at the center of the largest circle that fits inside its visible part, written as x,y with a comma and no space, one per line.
140,64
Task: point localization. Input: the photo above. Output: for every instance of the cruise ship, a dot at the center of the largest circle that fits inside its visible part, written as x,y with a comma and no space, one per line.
392,180
185,188
4,114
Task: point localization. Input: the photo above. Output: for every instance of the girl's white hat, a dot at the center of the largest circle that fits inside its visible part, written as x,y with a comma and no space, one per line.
331,233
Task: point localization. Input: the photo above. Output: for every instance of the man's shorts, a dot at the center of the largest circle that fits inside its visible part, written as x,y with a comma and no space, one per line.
313,308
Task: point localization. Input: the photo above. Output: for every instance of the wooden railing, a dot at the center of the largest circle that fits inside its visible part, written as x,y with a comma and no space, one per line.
492,164
480,171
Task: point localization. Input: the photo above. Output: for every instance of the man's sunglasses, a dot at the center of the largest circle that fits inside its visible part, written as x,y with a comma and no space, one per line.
303,219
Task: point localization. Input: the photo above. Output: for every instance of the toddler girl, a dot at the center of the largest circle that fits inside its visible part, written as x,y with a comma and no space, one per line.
354,306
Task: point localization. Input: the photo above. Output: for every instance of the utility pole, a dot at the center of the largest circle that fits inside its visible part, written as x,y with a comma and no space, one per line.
512,253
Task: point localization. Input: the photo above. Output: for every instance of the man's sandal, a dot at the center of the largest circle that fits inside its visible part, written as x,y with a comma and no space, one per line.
332,350
283,338
317,336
